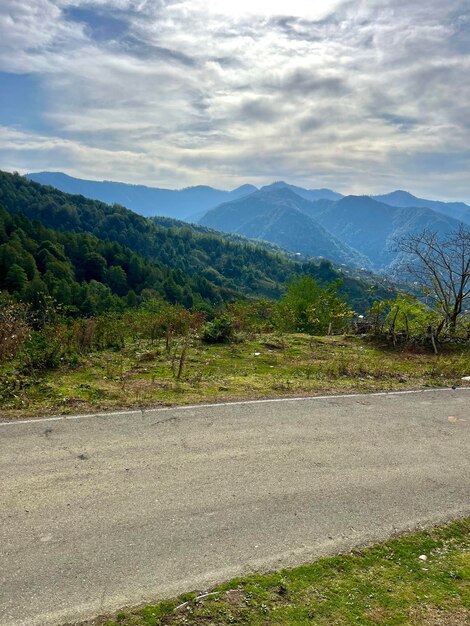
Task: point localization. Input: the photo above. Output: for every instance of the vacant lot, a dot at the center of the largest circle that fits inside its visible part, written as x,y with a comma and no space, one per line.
144,373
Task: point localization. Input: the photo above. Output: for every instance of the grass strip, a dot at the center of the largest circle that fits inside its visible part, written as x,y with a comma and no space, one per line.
422,579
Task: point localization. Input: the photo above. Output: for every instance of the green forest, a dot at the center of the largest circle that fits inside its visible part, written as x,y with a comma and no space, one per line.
90,257
84,274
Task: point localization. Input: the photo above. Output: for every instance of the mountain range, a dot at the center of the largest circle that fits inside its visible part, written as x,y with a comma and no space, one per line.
91,256
279,215
355,230
186,204
360,231
403,199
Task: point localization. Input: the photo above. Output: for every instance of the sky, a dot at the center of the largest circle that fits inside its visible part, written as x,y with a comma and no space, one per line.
359,96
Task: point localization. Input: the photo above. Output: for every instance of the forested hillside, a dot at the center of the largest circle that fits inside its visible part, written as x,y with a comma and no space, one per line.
85,274
374,228
210,268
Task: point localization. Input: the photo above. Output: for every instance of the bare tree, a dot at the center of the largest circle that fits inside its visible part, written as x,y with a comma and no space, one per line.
441,266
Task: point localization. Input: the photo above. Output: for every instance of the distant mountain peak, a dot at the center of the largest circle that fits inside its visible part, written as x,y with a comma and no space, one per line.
243,190
197,188
279,184
308,194
284,191
404,199
245,187
401,193
363,201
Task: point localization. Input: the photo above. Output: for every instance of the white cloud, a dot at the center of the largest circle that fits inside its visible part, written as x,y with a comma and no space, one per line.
307,9
363,95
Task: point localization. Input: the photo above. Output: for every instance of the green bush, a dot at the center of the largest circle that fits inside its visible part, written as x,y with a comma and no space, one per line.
219,330
408,320
43,351
308,307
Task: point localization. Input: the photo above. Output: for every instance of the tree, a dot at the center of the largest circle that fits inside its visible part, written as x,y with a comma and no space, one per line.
37,296
308,307
408,318
94,266
117,280
16,279
441,268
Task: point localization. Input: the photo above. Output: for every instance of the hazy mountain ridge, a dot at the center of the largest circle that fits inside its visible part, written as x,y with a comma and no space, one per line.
404,199
147,201
279,215
187,264
189,203
353,230
373,227
307,194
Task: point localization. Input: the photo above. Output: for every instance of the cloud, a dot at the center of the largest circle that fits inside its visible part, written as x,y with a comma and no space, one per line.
356,95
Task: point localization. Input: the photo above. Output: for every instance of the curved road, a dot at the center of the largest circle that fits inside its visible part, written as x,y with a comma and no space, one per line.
102,511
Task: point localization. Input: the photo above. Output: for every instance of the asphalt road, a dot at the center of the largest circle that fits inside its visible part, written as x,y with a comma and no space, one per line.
98,512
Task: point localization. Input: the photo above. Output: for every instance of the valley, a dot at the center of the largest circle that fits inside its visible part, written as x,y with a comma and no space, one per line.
358,231
102,308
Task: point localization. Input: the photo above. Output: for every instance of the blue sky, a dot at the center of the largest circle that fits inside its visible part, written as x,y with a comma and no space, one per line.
361,96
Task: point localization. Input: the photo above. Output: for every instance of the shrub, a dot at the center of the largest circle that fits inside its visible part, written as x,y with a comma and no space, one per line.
252,316
44,350
408,320
14,330
309,308
13,386
219,330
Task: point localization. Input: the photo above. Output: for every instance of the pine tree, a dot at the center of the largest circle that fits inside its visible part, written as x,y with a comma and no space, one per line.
16,279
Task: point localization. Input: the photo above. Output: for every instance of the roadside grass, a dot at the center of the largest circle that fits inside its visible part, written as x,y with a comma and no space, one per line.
263,366
386,585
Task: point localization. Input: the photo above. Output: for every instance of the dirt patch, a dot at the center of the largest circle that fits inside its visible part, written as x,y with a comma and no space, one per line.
235,597
433,616
378,615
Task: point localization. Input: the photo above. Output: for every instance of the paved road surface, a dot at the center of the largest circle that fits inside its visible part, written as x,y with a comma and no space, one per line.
102,511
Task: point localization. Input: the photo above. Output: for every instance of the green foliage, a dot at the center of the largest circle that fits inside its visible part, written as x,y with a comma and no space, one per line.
406,319
16,279
252,316
220,330
84,274
409,316
15,329
43,351
308,307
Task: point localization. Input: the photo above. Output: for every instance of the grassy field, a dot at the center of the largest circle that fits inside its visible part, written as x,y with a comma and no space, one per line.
388,584
144,374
